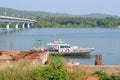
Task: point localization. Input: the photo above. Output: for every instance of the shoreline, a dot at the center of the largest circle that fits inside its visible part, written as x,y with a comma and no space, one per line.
39,57
110,69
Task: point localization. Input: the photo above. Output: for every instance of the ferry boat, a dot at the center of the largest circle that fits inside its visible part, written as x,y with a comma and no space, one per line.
59,47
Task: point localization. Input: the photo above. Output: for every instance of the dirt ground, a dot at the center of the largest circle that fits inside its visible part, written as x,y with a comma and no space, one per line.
110,69
35,57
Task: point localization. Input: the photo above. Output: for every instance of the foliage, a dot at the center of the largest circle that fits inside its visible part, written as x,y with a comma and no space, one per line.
25,71
77,75
102,75
55,71
115,77
33,14
73,76
27,14
77,22
50,73
59,20
2,24
17,71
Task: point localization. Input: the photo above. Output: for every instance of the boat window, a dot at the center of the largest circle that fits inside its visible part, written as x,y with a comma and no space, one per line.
61,46
67,46
64,46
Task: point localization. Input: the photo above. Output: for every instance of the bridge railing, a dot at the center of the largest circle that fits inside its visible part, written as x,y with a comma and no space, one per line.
16,20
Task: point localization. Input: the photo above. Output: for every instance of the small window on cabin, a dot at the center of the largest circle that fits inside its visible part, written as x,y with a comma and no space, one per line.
62,46
67,46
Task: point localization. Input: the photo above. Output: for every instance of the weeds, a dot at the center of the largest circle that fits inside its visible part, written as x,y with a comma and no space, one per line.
54,71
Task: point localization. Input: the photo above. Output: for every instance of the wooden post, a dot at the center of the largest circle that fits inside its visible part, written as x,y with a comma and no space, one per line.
98,59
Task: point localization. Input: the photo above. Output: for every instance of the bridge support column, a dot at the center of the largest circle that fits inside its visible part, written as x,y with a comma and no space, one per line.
28,25
16,25
7,25
23,25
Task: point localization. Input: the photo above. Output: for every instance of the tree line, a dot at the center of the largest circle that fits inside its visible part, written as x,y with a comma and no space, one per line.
77,22
73,22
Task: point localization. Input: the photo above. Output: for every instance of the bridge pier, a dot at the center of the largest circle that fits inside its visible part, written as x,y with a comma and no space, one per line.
28,25
7,25
16,20
23,25
16,25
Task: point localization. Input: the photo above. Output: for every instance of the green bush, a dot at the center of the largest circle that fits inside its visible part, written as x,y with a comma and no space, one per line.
115,77
55,71
102,75
49,73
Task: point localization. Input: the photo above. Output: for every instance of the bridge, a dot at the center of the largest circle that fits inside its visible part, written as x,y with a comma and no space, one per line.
16,20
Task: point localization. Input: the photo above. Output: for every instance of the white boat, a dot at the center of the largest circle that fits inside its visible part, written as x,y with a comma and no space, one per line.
60,47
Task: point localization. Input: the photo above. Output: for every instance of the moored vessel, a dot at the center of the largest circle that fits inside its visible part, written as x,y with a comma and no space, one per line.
59,47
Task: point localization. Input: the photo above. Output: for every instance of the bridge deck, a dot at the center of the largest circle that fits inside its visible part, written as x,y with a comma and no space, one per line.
16,18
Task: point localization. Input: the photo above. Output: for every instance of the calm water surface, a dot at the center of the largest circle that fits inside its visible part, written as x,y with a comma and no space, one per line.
105,41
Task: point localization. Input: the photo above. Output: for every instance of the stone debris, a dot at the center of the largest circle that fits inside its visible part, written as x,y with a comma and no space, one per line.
34,57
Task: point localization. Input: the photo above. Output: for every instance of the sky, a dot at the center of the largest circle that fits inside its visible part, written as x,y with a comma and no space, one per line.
75,7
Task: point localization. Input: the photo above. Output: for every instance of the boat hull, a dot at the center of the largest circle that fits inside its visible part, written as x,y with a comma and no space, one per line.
71,53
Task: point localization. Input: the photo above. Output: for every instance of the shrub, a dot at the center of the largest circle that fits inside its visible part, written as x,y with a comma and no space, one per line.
102,75
55,71
115,77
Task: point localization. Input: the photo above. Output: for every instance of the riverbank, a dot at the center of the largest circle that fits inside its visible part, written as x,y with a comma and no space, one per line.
110,69
30,64
41,57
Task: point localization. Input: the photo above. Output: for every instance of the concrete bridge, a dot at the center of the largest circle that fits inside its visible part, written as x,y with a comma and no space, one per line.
16,20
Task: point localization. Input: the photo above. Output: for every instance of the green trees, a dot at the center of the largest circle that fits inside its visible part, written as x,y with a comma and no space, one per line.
73,22
77,22
2,24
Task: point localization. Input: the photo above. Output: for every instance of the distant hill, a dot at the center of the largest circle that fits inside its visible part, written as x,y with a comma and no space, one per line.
34,14
99,15
28,14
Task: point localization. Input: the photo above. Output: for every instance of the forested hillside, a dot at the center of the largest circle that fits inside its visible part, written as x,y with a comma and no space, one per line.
28,14
77,22
46,19
34,14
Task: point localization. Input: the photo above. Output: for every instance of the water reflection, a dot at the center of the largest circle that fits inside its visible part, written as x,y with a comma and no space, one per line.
8,40
81,59
9,31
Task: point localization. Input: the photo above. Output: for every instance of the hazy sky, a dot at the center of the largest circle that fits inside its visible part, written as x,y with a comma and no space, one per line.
77,7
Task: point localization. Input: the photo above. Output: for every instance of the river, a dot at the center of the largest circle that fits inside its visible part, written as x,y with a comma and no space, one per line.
106,41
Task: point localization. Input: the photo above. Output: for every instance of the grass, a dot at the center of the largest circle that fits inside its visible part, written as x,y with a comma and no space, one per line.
26,71
16,71
55,71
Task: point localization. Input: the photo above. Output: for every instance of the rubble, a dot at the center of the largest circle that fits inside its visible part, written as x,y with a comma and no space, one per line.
34,57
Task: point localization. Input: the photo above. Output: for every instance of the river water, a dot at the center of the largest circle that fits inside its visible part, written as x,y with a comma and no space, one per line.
105,41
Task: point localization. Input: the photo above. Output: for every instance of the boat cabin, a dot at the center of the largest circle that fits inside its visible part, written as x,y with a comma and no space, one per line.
59,46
